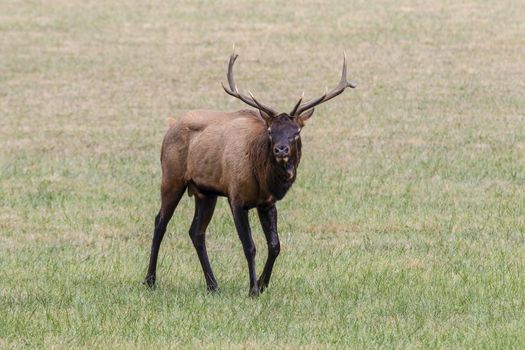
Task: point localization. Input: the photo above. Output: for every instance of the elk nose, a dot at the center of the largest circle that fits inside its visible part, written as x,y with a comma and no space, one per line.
281,150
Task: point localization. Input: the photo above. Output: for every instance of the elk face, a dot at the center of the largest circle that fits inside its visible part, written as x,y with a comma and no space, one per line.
283,134
285,138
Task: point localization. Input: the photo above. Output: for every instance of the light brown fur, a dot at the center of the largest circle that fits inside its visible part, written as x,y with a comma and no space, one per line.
210,152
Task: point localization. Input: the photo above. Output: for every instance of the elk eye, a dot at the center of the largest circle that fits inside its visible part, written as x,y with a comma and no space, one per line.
294,138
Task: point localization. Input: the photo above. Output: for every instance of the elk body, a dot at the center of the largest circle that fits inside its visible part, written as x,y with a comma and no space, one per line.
249,156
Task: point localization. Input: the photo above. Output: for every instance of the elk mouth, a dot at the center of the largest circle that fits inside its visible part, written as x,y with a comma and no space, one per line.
283,160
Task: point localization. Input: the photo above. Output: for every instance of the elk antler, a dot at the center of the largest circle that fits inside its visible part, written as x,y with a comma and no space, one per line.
233,91
343,84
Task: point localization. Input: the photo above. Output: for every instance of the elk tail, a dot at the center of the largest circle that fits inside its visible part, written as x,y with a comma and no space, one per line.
170,121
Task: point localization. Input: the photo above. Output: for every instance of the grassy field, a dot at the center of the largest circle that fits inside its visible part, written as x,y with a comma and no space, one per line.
405,229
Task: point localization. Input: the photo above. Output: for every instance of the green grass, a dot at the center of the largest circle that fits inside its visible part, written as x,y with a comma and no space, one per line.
405,229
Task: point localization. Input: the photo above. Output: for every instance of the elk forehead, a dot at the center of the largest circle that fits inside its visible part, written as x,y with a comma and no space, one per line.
283,125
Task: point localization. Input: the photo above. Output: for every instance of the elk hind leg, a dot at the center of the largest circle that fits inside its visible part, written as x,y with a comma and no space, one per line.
170,197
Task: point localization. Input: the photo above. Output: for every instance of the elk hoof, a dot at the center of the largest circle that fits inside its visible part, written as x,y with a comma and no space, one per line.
150,281
254,292
262,288
212,289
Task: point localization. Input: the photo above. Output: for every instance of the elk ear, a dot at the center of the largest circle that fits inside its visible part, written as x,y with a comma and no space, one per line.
301,119
267,118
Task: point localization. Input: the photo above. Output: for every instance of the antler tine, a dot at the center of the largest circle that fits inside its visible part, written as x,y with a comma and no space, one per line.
349,84
297,105
234,91
259,104
341,86
310,104
231,81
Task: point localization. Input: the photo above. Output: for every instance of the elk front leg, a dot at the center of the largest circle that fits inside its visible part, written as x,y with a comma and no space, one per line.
268,218
240,217
203,212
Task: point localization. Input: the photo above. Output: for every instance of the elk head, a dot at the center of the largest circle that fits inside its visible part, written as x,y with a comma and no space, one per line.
284,128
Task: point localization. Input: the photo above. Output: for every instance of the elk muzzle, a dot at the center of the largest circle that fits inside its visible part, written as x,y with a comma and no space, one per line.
281,151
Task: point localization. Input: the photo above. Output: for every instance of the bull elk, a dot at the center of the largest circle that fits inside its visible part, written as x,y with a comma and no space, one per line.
249,156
